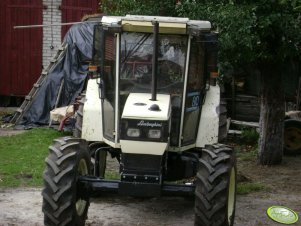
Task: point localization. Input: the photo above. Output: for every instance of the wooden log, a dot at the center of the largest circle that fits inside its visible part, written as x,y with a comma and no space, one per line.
248,124
293,115
59,114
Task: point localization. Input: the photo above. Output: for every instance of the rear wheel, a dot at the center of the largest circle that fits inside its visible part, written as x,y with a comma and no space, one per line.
79,117
223,129
64,201
292,137
215,193
101,158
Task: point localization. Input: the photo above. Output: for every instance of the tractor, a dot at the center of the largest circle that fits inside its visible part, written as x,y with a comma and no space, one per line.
152,102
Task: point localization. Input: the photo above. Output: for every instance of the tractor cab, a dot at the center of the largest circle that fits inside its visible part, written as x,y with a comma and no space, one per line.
153,73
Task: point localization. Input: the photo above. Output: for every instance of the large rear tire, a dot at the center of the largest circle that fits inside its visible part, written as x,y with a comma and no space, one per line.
79,117
64,202
215,193
292,137
223,124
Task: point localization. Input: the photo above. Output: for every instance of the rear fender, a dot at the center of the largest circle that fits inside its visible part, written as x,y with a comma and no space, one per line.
209,122
92,113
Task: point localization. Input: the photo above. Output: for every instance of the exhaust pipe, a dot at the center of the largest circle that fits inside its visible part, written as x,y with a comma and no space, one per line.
155,60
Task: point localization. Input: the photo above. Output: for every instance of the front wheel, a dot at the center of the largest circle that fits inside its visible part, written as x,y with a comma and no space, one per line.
215,193
64,201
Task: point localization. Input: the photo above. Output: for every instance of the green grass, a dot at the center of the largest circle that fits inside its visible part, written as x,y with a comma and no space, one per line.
246,154
248,187
246,146
112,175
249,136
22,157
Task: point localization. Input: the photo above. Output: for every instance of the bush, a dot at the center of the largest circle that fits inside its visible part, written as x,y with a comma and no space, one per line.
250,136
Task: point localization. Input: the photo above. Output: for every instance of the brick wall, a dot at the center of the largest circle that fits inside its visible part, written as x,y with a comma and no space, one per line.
51,35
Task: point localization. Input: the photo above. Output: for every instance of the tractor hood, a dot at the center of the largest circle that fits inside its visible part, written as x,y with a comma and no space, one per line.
139,106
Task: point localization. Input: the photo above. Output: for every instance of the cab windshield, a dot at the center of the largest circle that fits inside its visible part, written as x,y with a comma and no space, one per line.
136,63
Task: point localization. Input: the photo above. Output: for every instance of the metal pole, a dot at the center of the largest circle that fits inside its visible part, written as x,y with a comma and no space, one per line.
57,99
46,25
155,60
102,85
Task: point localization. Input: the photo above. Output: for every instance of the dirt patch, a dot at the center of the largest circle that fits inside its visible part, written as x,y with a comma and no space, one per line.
10,132
23,207
284,178
283,183
282,187
7,129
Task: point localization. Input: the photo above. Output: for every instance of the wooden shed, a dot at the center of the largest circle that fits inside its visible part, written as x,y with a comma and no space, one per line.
22,49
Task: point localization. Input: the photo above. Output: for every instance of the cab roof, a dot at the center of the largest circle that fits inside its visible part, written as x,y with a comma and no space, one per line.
170,25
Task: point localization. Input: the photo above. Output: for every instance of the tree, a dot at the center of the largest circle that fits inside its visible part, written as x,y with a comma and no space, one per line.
268,34
265,33
139,7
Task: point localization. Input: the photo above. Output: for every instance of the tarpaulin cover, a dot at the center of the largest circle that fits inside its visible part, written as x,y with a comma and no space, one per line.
71,69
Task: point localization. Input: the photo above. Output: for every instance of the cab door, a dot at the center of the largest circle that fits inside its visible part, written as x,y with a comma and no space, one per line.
105,57
194,92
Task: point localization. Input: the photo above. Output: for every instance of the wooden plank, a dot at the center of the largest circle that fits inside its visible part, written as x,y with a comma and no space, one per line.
27,77
248,124
22,64
234,132
246,108
17,67
247,118
4,87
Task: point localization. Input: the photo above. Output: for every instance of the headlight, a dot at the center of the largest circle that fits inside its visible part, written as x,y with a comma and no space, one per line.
131,132
154,133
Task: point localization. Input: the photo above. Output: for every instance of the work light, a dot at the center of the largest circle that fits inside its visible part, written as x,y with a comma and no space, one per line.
154,133
133,132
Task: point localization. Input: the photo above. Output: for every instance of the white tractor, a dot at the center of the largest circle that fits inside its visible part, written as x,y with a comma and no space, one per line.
153,103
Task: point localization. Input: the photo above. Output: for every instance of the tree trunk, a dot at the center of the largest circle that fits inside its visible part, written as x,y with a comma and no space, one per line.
271,115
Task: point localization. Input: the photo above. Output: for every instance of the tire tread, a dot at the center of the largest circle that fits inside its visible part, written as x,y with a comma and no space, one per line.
212,186
60,175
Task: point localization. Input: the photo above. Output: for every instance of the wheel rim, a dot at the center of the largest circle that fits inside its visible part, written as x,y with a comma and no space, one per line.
292,138
231,196
81,203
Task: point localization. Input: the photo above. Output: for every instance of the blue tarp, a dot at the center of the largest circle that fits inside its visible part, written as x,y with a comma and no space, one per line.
72,69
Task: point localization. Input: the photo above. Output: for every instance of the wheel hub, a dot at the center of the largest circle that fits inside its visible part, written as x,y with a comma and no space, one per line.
292,138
